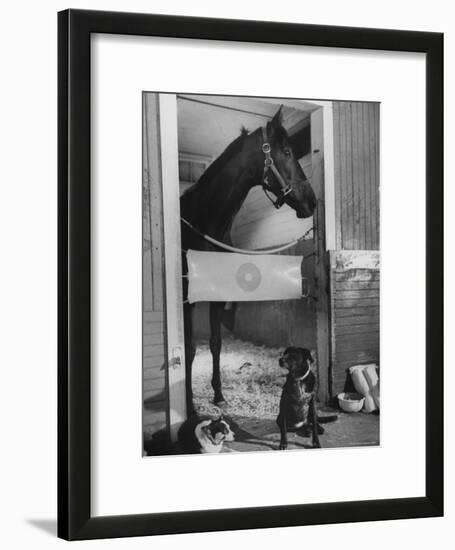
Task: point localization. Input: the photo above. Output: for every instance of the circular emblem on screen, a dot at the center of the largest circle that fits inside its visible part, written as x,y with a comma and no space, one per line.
248,277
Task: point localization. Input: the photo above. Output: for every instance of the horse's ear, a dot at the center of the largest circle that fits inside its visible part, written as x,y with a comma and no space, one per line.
277,119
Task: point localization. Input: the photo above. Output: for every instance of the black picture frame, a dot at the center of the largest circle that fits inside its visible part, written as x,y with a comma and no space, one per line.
75,521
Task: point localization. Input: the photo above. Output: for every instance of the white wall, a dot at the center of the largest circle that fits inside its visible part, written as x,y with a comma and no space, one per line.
28,289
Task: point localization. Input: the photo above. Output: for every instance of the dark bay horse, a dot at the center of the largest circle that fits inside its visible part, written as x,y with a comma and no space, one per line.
263,157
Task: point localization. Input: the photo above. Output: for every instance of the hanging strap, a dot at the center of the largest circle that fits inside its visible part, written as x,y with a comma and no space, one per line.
242,250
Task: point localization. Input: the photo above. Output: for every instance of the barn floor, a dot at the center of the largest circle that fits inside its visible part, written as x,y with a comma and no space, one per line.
252,382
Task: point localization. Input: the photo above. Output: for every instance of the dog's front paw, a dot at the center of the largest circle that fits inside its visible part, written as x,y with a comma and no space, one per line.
283,446
317,445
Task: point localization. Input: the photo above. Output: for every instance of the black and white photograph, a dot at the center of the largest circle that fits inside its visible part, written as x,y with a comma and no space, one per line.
261,259
224,232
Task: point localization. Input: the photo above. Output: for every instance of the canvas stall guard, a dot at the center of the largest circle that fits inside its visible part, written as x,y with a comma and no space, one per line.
354,296
224,277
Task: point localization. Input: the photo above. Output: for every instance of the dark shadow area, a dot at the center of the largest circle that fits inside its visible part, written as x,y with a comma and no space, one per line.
155,403
256,434
160,444
49,526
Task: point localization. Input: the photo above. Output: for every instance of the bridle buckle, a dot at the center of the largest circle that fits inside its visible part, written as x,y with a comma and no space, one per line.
270,165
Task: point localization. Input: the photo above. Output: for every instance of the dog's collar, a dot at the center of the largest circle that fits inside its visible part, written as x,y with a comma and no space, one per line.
304,376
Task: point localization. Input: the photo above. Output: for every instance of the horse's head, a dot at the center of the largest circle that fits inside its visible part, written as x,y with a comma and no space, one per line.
284,176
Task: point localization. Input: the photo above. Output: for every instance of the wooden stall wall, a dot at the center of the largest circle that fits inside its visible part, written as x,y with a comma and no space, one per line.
355,265
155,393
356,164
354,290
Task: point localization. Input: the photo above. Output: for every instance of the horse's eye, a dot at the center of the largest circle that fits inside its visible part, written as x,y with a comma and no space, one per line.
287,152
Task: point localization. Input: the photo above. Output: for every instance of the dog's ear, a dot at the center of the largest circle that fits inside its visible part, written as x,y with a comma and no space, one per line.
306,355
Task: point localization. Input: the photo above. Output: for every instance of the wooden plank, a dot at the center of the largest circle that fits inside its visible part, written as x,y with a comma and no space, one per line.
364,218
358,357
154,361
357,275
340,161
357,285
154,417
155,399
153,386
367,180
153,339
342,260
147,291
375,200
342,366
347,349
358,293
365,328
155,350
321,263
154,373
172,255
357,312
154,420
153,316
348,191
155,197
154,327
357,342
342,303
355,177
366,333
347,320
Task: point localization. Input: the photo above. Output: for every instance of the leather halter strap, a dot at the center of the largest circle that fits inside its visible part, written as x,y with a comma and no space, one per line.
269,164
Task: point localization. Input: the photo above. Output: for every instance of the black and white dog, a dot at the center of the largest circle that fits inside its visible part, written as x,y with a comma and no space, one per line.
204,435
298,402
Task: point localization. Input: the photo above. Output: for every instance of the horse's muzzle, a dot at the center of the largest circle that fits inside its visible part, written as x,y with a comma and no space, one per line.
305,212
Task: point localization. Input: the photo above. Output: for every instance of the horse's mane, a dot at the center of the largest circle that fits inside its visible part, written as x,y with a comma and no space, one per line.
214,168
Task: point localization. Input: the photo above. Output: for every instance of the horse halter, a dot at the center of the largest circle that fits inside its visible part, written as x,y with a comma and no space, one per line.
285,188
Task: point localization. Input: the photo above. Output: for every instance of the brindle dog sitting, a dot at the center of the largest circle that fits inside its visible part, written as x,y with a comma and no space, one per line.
298,403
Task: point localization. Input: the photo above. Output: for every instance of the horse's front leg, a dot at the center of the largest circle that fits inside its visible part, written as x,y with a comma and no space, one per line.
216,311
190,351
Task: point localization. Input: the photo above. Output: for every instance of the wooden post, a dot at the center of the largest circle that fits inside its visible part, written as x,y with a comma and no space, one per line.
320,264
173,265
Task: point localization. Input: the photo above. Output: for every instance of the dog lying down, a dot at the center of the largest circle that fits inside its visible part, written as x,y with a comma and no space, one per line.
298,403
204,435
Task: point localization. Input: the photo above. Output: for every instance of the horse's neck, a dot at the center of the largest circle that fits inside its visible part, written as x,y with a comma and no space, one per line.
232,196
215,204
